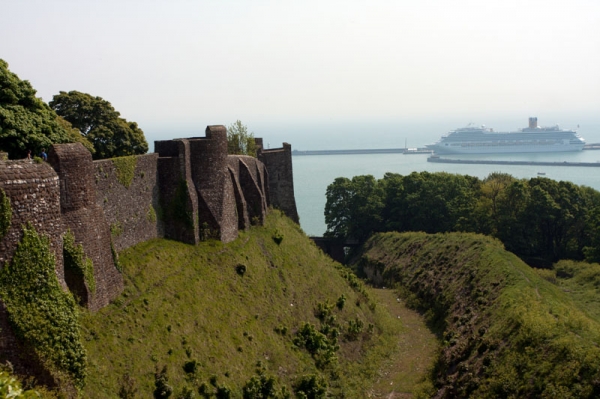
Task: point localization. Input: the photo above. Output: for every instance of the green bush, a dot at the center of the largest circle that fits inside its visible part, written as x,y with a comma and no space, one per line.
11,388
321,346
311,387
162,389
5,213
76,261
41,313
125,169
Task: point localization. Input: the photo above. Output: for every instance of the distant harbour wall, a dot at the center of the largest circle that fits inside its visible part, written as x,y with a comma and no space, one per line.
364,151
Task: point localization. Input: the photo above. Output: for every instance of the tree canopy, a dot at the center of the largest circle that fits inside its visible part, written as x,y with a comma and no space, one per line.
239,141
26,122
97,121
540,219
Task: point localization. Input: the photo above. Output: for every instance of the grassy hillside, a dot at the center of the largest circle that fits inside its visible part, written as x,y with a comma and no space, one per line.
506,332
218,315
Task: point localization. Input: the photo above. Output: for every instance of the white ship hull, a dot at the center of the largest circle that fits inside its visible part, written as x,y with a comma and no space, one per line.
481,140
485,148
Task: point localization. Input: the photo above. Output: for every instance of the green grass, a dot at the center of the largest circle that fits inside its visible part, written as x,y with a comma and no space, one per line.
186,303
580,281
505,331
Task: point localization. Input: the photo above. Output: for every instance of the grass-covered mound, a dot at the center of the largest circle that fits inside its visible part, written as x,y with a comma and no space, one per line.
267,314
506,331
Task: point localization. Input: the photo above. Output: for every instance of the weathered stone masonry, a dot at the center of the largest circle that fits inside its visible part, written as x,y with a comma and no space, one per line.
188,190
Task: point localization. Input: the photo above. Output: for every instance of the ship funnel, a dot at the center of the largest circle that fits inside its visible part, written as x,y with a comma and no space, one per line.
533,123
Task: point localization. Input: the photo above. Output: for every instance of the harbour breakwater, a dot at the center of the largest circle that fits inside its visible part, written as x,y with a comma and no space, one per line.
496,162
364,151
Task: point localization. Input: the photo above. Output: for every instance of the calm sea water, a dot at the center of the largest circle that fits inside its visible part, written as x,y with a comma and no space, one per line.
313,173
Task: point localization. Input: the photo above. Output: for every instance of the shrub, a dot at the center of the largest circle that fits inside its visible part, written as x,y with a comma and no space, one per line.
76,261
128,388
41,313
125,168
190,366
319,345
5,213
277,237
162,389
311,387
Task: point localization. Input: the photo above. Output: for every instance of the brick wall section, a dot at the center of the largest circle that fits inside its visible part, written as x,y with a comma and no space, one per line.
33,189
128,210
216,196
281,179
85,218
173,168
34,193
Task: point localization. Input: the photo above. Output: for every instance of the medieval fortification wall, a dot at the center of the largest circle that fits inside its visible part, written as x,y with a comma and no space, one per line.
188,190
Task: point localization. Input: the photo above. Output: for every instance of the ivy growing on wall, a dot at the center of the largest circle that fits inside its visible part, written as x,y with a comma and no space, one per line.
178,207
125,168
5,213
115,256
76,261
43,316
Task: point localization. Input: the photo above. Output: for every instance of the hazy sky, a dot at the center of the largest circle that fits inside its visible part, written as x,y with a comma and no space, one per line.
193,63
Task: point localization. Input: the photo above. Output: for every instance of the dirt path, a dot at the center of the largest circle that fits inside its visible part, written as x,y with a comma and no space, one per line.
416,350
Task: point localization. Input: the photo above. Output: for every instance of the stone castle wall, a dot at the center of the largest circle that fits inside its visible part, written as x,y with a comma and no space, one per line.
132,212
34,193
278,162
86,220
189,190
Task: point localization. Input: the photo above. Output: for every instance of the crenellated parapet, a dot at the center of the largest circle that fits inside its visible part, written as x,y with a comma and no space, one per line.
188,190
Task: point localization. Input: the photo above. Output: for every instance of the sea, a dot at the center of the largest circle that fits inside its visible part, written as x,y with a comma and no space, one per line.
313,173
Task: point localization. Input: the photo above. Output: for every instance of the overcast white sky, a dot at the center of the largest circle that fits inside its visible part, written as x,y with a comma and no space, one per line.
193,63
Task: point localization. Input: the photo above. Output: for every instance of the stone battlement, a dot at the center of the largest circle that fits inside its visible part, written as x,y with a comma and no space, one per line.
188,190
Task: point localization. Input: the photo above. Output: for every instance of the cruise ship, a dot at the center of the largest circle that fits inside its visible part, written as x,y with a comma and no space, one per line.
482,140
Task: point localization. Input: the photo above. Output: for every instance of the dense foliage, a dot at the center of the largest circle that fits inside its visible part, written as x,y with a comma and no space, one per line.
11,388
5,213
239,141
506,332
97,121
539,219
76,261
41,313
26,122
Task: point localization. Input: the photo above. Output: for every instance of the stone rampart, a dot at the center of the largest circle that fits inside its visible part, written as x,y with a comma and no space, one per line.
127,190
278,162
86,220
34,193
189,190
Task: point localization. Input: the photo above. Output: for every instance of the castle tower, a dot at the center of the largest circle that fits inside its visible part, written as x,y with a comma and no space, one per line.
85,219
216,197
281,179
177,190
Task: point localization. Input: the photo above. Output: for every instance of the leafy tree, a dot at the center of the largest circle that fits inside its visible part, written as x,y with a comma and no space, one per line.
26,122
354,207
97,121
239,141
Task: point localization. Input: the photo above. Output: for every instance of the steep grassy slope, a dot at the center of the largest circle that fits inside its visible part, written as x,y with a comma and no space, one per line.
580,281
506,332
213,314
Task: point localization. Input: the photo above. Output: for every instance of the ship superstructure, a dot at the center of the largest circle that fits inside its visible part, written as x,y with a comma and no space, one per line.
482,140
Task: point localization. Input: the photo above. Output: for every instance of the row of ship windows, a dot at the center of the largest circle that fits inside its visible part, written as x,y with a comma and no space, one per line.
495,144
